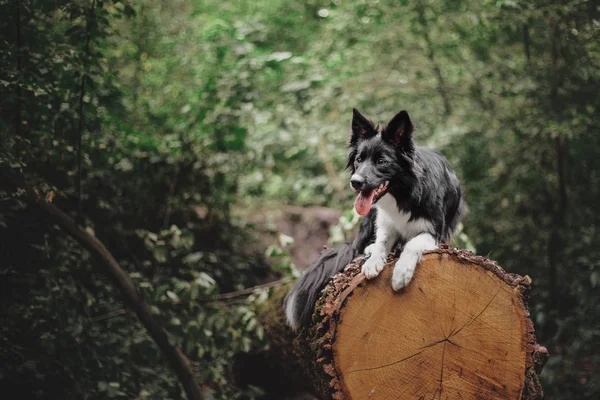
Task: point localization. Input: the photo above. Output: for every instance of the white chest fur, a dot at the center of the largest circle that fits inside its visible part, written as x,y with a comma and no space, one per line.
398,223
390,225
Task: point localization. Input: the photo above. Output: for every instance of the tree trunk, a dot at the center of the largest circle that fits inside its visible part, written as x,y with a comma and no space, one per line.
461,329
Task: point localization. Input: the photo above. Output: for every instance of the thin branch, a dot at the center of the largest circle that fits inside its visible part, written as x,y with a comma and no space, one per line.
556,239
526,44
121,280
168,201
243,292
561,149
18,122
79,144
431,55
110,315
223,297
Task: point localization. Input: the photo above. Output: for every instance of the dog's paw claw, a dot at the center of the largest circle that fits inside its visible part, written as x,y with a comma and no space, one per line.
372,267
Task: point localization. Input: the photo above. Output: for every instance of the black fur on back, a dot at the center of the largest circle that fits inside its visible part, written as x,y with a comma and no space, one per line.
420,180
307,288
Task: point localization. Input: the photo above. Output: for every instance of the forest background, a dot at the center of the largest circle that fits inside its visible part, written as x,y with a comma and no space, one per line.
170,129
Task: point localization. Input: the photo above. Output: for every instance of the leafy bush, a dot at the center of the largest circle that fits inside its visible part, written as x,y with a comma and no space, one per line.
192,113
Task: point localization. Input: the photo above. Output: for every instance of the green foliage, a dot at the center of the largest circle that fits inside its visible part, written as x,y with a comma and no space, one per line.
280,258
195,112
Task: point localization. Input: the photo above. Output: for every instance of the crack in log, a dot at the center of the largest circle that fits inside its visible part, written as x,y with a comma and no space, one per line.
390,364
441,326
441,388
444,341
434,343
421,350
477,316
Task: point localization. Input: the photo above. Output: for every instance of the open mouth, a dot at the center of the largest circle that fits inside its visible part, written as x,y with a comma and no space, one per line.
365,199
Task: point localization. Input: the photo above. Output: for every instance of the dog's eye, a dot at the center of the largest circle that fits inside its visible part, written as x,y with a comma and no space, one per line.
381,161
358,159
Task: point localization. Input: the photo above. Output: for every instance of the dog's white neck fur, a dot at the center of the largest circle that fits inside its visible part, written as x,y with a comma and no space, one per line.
390,217
392,224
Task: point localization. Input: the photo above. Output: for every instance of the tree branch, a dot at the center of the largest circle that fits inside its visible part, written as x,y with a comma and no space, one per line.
19,69
179,362
243,292
222,297
431,55
526,44
556,240
79,144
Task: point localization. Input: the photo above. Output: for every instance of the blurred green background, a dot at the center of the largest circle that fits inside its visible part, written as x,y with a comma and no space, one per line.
200,118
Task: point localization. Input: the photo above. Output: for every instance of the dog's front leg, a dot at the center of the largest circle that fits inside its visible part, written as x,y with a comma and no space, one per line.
369,249
406,264
384,240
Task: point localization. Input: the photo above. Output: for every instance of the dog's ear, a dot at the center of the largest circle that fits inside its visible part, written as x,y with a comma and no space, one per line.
399,130
362,128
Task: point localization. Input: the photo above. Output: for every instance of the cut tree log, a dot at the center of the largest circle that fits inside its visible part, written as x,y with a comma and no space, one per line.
460,330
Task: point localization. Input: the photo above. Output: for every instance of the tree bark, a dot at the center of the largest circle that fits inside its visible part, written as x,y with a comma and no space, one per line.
556,241
173,354
526,42
18,99
81,125
460,329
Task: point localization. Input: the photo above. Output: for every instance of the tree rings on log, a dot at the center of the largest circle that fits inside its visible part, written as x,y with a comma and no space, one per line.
460,330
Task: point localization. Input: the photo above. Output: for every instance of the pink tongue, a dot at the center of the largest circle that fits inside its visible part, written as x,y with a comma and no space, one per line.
363,203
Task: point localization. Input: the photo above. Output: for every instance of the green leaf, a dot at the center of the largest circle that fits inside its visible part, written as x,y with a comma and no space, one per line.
174,298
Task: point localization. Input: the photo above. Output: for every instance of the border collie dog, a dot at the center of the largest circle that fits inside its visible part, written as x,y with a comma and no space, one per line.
408,195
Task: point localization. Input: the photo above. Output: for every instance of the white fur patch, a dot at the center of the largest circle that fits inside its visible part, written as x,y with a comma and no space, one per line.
369,249
389,226
385,237
406,264
374,264
388,213
290,309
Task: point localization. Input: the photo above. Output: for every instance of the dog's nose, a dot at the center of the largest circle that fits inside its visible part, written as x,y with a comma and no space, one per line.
357,182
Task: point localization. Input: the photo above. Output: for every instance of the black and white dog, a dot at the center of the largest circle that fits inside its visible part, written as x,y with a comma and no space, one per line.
407,194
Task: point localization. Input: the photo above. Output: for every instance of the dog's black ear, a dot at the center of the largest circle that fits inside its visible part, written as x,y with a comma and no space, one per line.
362,128
399,130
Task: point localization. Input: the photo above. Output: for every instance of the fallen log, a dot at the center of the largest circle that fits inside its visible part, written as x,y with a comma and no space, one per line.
460,329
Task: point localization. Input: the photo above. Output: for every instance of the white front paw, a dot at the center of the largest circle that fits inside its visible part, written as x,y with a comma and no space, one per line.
369,249
404,271
373,266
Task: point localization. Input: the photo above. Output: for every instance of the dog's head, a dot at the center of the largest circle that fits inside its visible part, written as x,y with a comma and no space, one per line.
380,160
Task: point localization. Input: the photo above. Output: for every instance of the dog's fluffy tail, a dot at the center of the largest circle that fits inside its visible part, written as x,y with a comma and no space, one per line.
300,301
